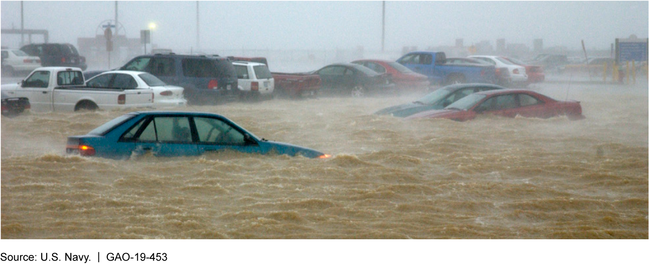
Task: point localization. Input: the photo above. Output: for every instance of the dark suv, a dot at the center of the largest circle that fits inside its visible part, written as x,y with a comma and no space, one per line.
206,79
56,54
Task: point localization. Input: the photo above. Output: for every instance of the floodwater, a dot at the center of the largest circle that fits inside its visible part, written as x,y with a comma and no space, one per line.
388,178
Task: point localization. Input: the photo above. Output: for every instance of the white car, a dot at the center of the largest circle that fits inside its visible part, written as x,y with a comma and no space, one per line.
164,95
254,78
15,60
517,73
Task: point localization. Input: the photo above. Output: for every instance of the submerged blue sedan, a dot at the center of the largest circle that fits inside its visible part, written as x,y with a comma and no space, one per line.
165,133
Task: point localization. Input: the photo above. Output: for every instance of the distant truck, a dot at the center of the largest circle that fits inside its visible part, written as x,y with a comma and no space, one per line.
435,66
62,89
293,85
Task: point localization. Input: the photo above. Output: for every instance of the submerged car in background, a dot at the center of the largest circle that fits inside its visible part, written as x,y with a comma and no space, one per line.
506,103
206,79
550,62
56,54
438,99
254,79
516,74
164,95
353,79
13,106
403,77
16,61
165,133
535,73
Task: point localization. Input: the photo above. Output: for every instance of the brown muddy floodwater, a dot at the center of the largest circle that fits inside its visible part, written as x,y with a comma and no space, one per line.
388,178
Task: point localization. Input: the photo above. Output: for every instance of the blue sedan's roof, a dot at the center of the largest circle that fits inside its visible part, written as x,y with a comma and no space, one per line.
173,113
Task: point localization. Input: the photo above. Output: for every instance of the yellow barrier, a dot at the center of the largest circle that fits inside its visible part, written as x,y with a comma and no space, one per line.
627,72
633,73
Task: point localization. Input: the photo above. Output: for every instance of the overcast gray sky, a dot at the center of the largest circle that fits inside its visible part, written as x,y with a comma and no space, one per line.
343,24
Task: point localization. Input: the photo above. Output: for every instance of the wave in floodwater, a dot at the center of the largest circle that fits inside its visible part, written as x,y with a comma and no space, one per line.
388,178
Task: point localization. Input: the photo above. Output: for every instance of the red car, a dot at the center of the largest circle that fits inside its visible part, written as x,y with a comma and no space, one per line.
535,73
507,103
404,78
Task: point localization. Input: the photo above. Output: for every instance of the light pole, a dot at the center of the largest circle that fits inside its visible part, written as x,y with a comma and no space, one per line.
152,27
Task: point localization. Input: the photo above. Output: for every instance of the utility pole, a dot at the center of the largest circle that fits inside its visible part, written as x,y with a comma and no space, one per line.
197,26
383,23
22,27
116,27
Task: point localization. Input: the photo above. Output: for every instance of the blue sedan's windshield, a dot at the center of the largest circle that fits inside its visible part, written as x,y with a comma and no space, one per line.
466,102
108,126
434,97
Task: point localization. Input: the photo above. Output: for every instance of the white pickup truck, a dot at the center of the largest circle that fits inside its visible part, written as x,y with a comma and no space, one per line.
62,89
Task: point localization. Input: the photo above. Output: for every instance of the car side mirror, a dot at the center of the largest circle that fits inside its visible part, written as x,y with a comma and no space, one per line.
22,83
248,140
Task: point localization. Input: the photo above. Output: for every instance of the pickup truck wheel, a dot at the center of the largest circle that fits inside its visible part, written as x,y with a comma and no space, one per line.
358,91
85,106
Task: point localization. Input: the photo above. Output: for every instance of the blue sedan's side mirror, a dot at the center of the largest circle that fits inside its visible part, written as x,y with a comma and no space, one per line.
248,140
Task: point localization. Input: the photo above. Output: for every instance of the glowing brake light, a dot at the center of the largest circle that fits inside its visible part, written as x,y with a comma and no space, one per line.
213,84
121,99
324,156
255,86
85,150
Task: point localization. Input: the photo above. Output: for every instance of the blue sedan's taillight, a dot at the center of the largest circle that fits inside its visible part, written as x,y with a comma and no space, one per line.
75,146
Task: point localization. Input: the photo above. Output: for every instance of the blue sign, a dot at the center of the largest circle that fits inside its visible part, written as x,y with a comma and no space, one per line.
632,51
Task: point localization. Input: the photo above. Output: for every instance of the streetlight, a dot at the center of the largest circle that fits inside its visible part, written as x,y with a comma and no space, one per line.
152,27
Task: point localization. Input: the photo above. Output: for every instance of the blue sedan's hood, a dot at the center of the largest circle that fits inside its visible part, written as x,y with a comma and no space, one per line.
288,149
405,110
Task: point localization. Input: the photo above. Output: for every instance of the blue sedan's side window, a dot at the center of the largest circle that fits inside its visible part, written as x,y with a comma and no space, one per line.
149,133
162,129
215,131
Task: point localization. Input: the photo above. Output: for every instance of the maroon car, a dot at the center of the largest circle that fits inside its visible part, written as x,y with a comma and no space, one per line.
507,103
535,73
404,78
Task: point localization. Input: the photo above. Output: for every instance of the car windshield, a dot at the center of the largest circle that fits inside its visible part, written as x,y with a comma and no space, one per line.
19,53
151,80
399,67
466,102
434,97
108,126
516,61
364,69
507,62
262,72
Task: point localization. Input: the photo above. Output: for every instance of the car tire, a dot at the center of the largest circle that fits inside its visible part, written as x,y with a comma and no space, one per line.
358,91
